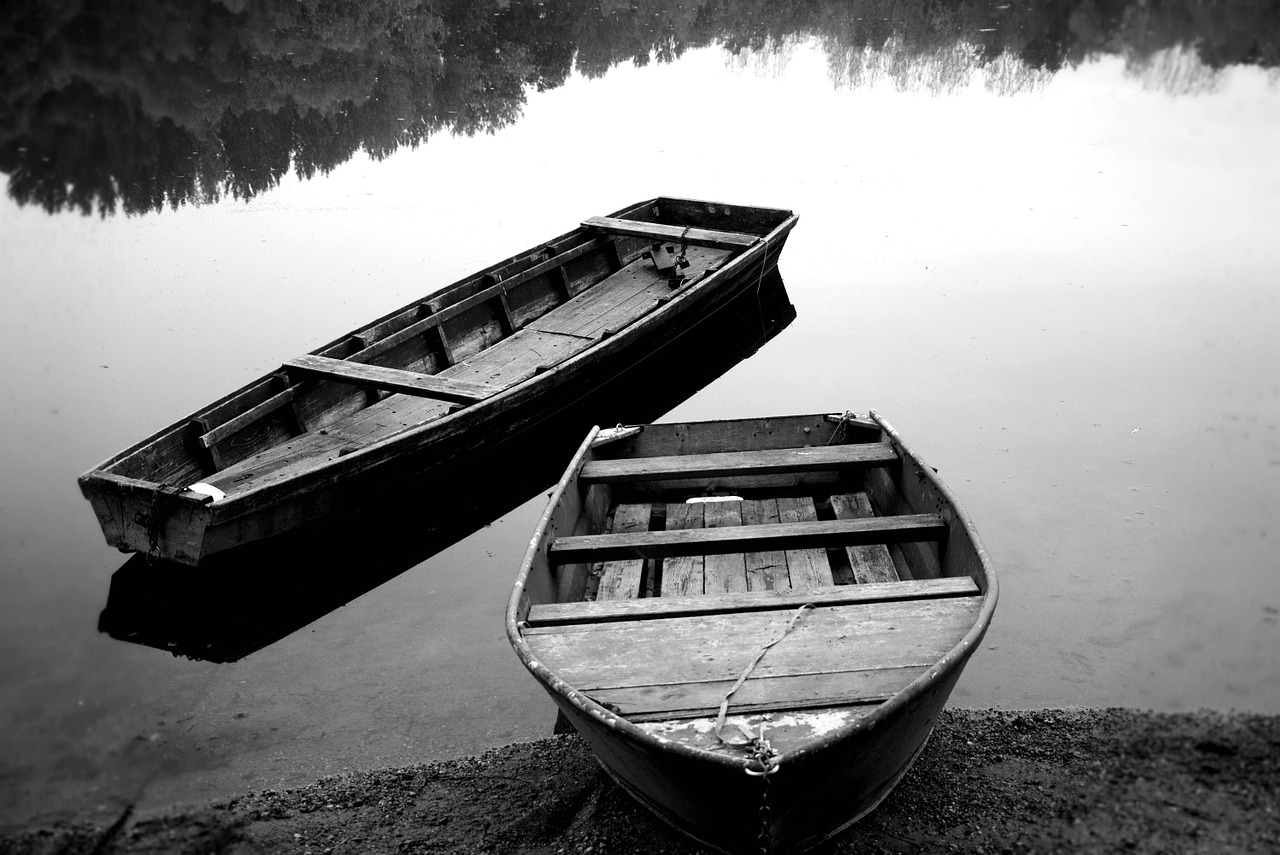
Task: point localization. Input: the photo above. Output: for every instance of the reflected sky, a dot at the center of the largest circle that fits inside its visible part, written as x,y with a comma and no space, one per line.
1064,297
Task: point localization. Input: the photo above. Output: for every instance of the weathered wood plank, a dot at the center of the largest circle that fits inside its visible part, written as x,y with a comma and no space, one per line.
766,569
730,463
747,538
516,358
677,234
710,648
220,432
407,382
599,612
871,562
619,299
801,691
621,579
683,574
725,572
807,568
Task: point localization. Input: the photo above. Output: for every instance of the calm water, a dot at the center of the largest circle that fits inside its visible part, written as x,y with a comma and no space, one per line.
1051,265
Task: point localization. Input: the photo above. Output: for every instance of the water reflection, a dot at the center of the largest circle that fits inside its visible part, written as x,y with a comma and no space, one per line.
235,604
115,107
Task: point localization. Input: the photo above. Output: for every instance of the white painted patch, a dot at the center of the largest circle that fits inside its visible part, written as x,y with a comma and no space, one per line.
207,490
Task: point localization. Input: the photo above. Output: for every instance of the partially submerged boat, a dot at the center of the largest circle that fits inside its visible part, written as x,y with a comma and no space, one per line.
753,623
435,382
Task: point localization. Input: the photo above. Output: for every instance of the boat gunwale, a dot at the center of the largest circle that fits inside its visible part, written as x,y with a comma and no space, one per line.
251,499
953,659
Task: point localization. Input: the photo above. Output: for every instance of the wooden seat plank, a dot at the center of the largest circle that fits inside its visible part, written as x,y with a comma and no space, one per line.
871,562
729,463
747,538
676,234
806,568
620,580
683,574
406,382
548,614
724,572
669,654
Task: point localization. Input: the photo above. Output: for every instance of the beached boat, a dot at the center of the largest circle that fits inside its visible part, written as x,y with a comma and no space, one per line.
753,623
434,382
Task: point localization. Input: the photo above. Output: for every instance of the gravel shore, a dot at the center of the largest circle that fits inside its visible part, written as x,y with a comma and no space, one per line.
1113,780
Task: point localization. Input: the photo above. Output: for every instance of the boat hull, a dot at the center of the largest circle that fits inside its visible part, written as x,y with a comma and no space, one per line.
810,798
844,704
176,525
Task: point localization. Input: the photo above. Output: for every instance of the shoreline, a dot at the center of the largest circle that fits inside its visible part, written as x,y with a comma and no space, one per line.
1058,780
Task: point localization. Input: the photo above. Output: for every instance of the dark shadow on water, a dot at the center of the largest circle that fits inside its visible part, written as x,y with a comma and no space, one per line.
120,107
239,602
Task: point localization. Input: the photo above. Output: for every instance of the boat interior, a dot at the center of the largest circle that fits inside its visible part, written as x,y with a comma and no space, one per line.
822,538
518,318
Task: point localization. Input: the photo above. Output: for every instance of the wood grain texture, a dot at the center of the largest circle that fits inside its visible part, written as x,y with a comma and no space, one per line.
766,568
676,234
724,572
870,562
716,648
407,382
806,568
621,579
792,692
683,574
748,538
650,609
733,463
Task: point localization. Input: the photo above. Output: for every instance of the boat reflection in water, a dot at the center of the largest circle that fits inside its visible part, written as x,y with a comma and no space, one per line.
241,601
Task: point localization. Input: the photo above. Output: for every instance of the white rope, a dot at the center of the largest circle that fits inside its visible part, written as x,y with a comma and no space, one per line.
724,704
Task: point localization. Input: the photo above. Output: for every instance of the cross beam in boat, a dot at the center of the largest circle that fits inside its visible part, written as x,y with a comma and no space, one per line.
723,464
651,608
747,538
678,234
407,382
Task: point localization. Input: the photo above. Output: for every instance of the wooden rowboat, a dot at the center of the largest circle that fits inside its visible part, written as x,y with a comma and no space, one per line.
434,382
753,623
202,612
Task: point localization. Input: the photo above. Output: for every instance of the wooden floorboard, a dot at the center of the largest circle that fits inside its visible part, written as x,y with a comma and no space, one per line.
766,569
683,575
620,580
806,568
870,562
622,298
726,572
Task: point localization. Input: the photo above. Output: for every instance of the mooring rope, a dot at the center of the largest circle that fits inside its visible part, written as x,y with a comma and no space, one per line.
752,740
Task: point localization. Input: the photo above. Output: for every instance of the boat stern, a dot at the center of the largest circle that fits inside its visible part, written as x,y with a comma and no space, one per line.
154,519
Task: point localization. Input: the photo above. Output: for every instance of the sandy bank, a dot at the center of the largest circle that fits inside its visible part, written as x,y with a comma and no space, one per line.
1046,781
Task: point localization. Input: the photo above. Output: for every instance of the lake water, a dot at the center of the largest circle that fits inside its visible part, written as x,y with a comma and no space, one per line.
1056,277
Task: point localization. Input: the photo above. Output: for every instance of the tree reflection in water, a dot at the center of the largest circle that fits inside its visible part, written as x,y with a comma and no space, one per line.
118,106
